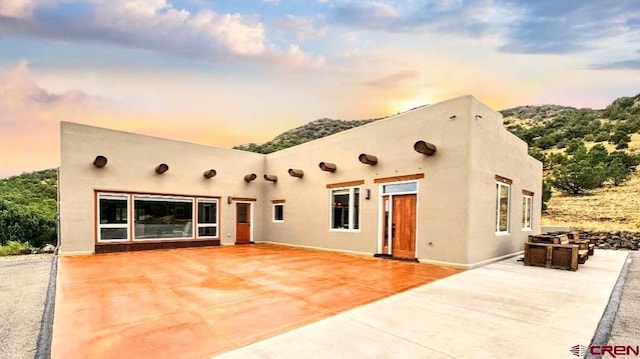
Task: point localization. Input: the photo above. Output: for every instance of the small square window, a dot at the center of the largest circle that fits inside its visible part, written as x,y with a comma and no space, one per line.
278,212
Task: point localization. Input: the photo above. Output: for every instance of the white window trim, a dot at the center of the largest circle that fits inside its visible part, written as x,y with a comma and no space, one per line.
497,213
528,205
127,226
131,197
351,210
273,213
207,225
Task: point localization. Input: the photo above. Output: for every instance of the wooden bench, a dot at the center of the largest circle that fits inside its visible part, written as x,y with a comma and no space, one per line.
551,251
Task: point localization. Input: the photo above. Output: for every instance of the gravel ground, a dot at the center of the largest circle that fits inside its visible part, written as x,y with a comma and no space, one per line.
23,289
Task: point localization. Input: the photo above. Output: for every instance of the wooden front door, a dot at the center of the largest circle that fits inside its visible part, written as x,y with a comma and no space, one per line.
243,223
403,226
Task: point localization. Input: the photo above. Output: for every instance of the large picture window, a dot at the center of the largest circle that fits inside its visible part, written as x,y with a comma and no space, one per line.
345,209
124,217
502,207
113,214
527,210
163,217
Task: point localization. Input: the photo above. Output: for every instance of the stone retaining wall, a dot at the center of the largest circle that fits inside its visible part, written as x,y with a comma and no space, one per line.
614,240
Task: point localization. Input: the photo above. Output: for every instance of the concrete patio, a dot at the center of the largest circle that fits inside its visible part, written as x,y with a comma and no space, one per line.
198,302
502,310
268,301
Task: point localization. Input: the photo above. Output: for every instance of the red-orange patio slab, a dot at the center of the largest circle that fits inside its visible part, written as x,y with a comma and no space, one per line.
198,302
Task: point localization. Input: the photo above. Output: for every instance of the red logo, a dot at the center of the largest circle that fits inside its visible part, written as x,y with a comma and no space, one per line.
612,350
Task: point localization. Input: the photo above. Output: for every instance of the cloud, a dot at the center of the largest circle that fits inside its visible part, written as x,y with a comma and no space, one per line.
298,58
512,26
30,116
618,65
302,28
367,14
154,25
16,8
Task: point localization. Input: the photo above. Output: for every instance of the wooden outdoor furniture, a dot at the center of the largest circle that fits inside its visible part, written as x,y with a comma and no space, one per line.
551,251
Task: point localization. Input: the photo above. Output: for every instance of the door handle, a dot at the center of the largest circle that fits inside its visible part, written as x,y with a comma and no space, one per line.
393,230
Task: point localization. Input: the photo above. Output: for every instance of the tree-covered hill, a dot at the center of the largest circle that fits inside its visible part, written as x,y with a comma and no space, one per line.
28,208
308,132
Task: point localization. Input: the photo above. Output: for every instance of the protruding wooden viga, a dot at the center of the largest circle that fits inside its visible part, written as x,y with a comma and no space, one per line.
272,178
162,168
329,167
100,161
426,148
296,173
368,159
210,173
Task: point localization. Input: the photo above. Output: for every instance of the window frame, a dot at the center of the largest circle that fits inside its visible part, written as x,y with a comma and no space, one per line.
527,209
163,198
498,230
130,198
274,212
351,208
206,225
100,226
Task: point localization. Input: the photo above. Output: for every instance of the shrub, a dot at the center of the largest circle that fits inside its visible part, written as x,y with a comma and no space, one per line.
15,248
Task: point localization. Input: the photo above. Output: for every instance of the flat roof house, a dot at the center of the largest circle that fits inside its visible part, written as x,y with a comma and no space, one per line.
444,183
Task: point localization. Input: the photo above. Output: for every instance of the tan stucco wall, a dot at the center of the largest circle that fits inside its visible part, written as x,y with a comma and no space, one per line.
456,197
495,151
391,140
132,159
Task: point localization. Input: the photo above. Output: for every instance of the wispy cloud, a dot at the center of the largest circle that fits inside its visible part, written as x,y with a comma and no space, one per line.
618,65
301,27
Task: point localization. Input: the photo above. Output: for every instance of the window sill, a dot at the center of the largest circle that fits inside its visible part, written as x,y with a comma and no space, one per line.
344,230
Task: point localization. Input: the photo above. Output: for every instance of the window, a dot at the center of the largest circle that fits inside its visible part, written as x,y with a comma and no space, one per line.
400,187
527,210
207,218
114,219
502,207
126,216
345,209
278,212
162,217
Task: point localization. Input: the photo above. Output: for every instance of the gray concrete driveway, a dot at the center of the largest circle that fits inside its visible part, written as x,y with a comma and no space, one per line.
23,289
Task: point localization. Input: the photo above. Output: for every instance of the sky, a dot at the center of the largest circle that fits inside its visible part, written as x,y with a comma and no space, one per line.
224,73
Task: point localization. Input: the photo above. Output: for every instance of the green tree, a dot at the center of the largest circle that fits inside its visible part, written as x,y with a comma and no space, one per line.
546,194
578,174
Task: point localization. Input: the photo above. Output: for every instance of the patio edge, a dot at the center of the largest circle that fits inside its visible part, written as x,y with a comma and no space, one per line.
603,331
43,346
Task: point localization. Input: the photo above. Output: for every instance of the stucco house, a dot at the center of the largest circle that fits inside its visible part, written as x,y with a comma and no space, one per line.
444,184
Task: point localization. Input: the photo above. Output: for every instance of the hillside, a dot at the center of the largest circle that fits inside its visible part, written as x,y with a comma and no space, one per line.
308,132
28,208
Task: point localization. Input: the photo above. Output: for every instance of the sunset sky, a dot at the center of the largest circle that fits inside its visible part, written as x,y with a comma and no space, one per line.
231,72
